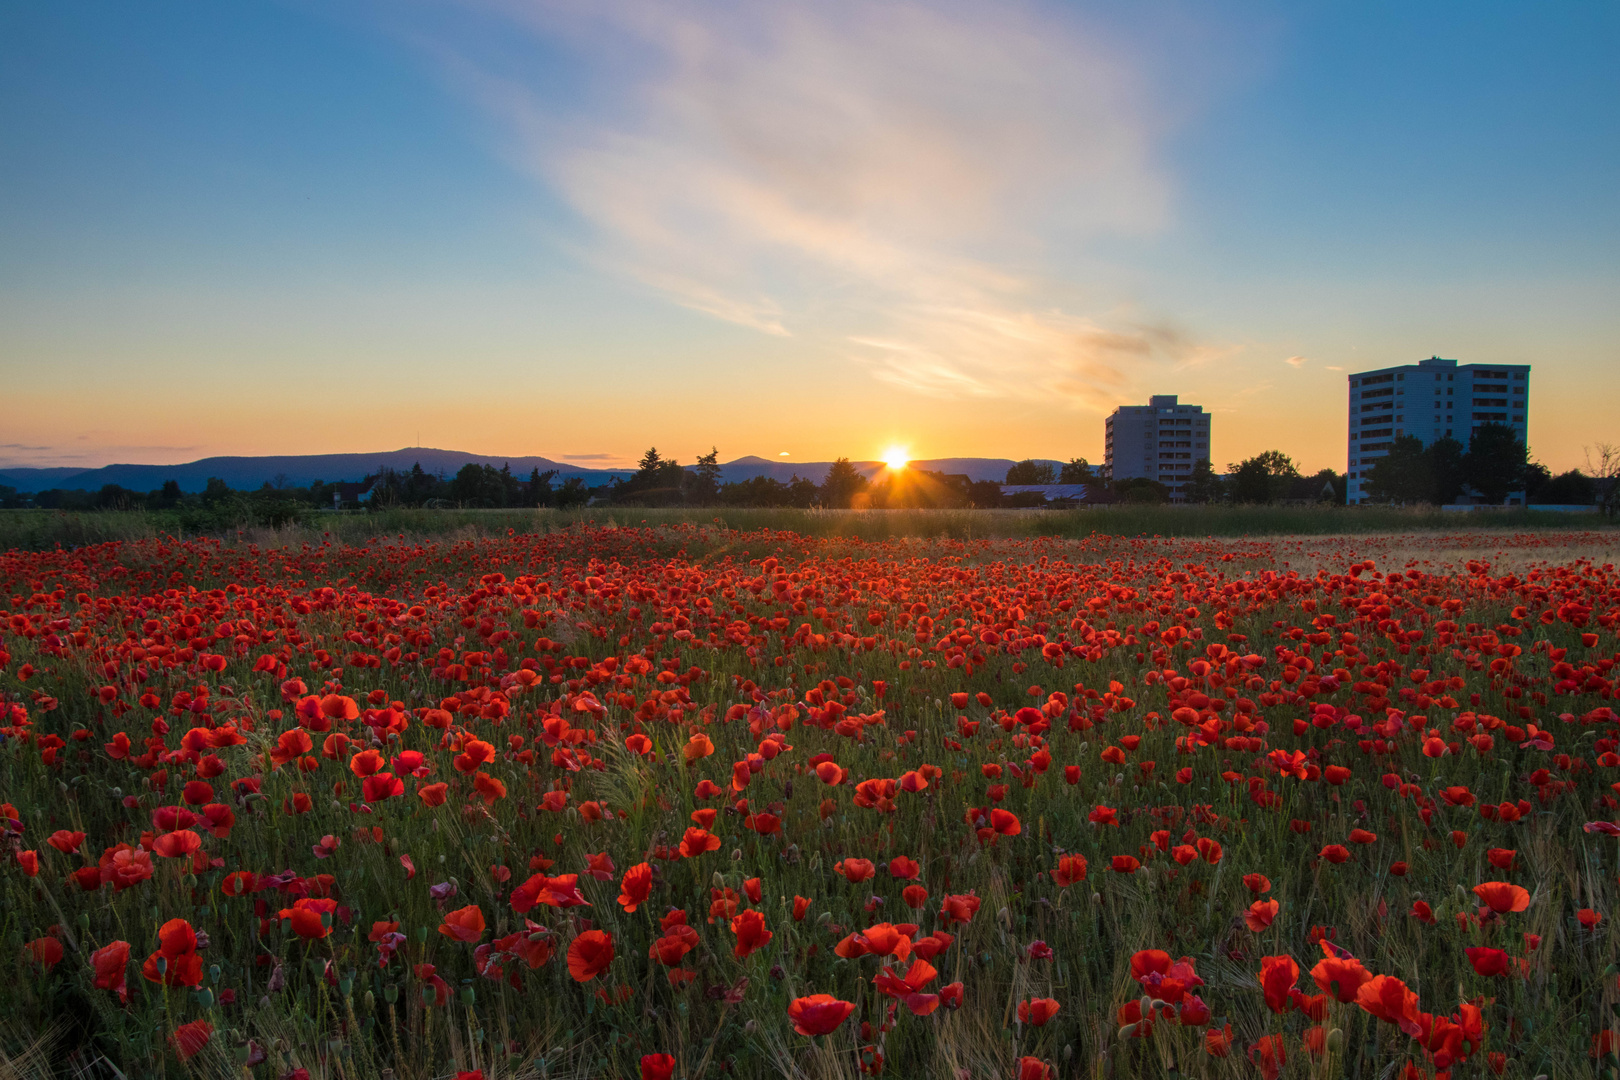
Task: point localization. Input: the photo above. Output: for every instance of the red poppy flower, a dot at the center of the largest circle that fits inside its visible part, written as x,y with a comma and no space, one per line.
1278,974
959,908
751,933
1149,962
111,964
855,871
176,845
1488,962
818,1014
1503,897
561,891
189,1039
657,1067
45,951
463,924
676,942
1389,999
1260,914
635,887
589,955
1033,1068
1071,869
1005,822
1341,977
698,841
1037,1011
310,918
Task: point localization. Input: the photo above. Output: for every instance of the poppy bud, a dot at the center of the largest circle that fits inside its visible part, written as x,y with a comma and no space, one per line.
1335,1041
1128,1031
370,1001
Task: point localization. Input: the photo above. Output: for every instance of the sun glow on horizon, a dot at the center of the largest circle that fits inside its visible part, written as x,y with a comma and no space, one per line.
895,457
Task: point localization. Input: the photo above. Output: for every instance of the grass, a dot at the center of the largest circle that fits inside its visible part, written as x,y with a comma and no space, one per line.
628,595
34,530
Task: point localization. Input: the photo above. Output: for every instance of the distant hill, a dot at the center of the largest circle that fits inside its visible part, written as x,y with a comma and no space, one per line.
301,470
245,473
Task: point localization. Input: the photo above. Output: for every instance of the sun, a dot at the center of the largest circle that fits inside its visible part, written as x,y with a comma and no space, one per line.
895,457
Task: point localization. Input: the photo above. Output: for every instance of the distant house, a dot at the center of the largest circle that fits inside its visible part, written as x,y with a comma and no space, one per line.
345,494
1305,490
1052,496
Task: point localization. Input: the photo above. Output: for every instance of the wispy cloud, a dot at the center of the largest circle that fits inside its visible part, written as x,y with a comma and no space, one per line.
891,181
1296,361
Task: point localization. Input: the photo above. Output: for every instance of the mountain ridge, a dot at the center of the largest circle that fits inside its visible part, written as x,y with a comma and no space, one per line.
248,472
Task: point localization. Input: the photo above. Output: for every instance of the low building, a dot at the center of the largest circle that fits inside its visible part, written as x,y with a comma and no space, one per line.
1052,496
1161,441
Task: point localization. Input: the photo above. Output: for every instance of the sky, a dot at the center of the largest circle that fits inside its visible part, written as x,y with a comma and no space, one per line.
797,230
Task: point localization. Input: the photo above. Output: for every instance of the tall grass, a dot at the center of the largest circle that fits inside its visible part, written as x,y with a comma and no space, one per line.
40,529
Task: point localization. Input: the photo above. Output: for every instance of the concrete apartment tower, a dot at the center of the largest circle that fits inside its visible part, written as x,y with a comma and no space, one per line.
1432,399
1160,440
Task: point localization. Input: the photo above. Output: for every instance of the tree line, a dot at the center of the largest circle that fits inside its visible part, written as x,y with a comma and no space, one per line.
1494,465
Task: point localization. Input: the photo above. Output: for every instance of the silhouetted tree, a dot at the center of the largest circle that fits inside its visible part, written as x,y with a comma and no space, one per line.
1404,475
573,493
703,481
1139,489
537,489
1262,478
1572,488
841,484
215,492
1203,486
1077,471
1032,472
1495,463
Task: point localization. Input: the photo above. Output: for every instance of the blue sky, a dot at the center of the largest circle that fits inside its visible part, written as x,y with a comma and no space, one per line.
574,229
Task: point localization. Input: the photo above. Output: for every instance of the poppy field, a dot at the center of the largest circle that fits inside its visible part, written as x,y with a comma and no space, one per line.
689,802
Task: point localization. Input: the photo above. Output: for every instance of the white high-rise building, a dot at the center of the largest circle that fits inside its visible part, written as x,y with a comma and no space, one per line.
1432,399
1160,440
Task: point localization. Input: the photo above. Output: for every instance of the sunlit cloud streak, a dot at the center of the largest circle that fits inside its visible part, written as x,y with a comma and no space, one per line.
892,182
